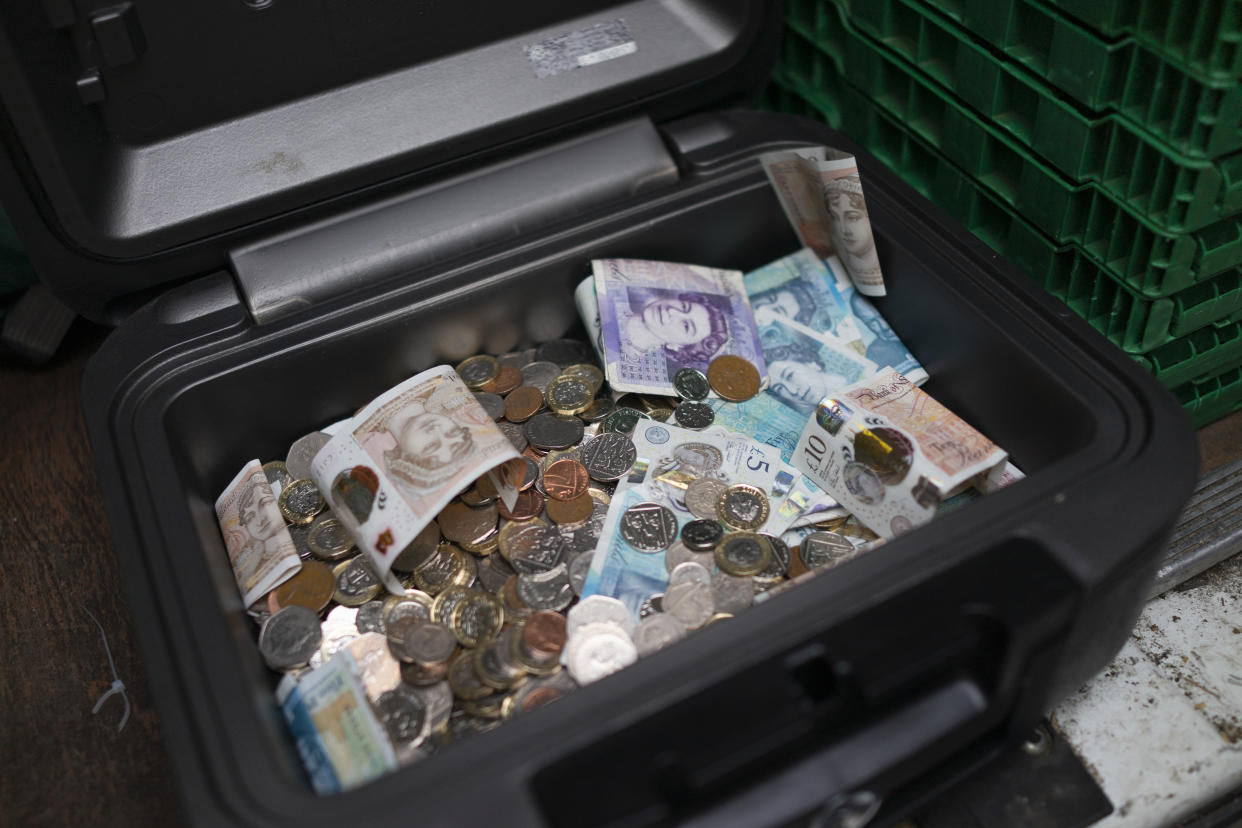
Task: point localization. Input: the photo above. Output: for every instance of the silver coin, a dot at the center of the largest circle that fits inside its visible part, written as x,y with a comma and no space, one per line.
463,725
579,568
678,554
425,643
302,452
692,603
691,384
406,611
493,404
419,550
732,594
438,701
655,632
278,476
289,637
598,609
701,534
539,374
690,572
550,431
478,618
301,534
517,358
546,590
564,352
776,570
494,570
370,617
534,548
694,415
826,549
583,538
597,411
495,664
702,494
356,579
649,527
403,713
517,437
609,456
598,650
622,419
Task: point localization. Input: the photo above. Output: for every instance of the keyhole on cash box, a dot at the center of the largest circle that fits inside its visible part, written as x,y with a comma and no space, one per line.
813,672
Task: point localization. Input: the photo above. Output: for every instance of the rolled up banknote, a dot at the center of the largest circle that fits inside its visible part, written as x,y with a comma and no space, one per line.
657,318
341,742
823,200
816,294
889,453
403,458
261,550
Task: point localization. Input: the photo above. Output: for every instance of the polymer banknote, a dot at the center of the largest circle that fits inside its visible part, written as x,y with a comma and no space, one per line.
816,294
261,550
404,457
823,200
657,318
890,453
337,735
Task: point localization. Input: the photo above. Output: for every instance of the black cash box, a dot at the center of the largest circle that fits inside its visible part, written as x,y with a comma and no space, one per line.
291,205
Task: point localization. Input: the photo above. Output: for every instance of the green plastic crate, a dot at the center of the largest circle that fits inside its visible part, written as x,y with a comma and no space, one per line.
1135,323
1212,398
1152,260
1203,35
1202,353
1193,112
1176,191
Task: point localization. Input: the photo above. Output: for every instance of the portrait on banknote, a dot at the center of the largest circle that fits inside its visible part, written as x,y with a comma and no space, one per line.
260,548
657,318
850,225
421,437
804,368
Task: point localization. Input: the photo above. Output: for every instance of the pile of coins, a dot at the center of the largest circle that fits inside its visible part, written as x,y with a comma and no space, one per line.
491,623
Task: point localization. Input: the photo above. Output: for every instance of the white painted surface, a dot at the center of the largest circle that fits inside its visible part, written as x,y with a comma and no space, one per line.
1161,727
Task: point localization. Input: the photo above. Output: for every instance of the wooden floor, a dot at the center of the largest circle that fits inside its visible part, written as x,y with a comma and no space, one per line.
59,764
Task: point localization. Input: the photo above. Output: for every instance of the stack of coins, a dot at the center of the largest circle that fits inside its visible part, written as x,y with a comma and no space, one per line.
491,623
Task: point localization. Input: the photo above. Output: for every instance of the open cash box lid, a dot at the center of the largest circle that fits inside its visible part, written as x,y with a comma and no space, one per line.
144,141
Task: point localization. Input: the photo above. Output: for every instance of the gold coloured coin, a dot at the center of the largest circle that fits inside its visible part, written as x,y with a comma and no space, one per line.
743,554
742,506
568,395
327,539
593,377
300,501
355,583
733,378
477,618
478,371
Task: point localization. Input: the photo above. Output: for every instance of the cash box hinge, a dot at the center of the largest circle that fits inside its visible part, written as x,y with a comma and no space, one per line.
286,273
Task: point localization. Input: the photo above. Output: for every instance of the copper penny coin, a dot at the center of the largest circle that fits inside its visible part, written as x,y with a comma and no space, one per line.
311,587
733,378
571,512
510,377
566,479
467,524
543,635
541,697
523,403
529,504
796,566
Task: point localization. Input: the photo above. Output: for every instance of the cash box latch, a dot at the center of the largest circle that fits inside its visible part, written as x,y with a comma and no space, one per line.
507,199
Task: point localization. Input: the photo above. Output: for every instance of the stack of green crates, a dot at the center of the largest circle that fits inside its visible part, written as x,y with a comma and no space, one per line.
1097,147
